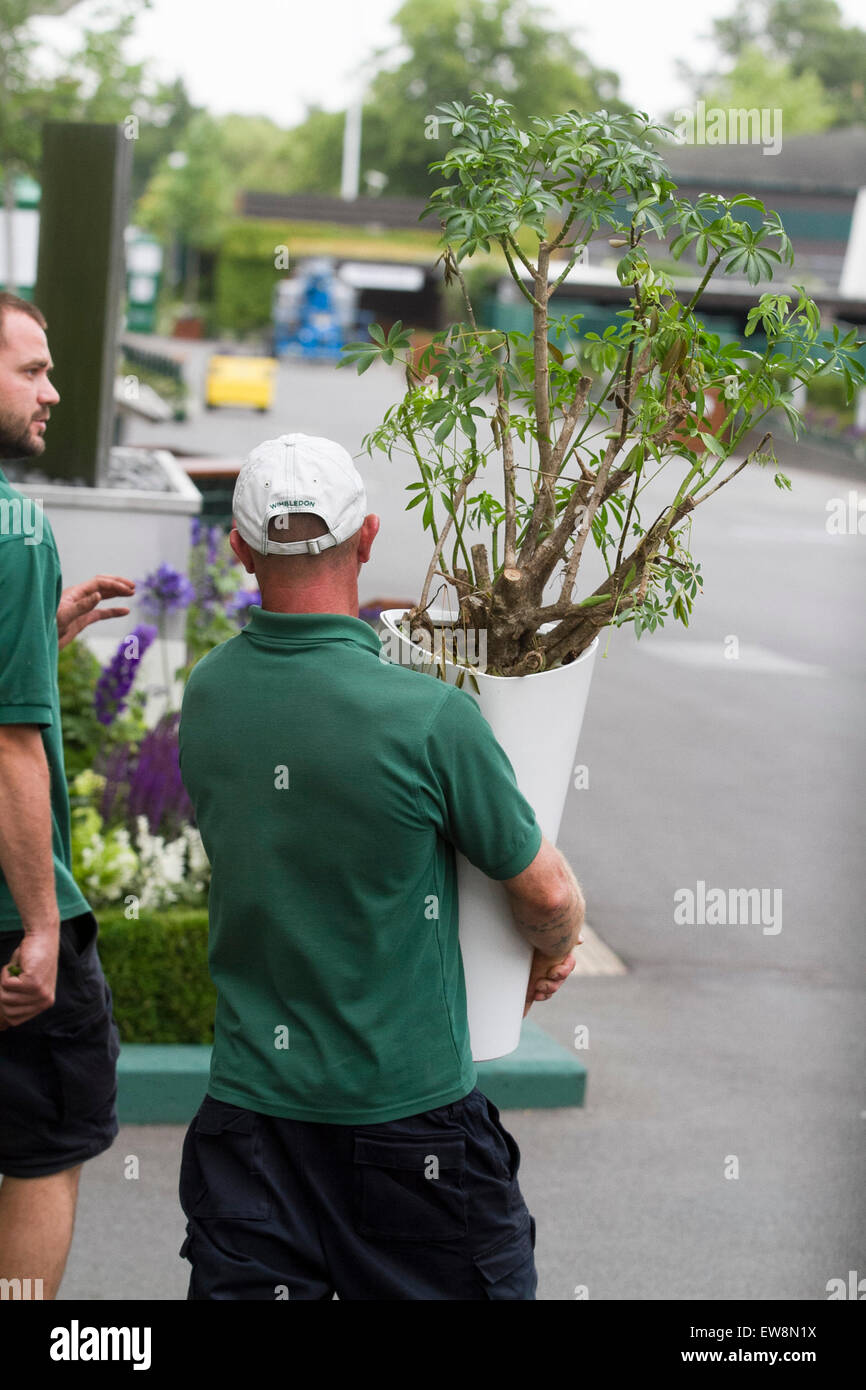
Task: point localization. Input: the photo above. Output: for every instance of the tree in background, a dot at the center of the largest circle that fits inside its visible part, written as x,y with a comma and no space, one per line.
190,197
255,152
316,152
95,83
758,80
261,155
164,115
445,50
26,102
196,183
806,48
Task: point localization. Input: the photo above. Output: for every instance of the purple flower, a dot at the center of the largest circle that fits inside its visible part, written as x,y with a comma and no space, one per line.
165,590
156,788
207,595
115,767
147,782
214,541
115,681
211,536
210,565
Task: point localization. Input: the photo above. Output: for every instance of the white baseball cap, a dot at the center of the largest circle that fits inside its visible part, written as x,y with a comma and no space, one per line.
298,473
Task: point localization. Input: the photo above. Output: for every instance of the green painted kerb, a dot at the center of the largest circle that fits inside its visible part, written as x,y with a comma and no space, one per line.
164,1085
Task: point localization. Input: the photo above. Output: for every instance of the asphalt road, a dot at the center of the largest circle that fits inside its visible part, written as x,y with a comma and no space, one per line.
720,1152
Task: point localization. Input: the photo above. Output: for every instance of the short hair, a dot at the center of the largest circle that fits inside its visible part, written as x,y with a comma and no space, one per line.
296,526
304,526
11,303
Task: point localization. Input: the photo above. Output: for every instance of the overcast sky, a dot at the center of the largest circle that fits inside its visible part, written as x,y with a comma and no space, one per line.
273,57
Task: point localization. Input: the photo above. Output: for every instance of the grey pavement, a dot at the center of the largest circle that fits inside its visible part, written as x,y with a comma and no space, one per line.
725,1047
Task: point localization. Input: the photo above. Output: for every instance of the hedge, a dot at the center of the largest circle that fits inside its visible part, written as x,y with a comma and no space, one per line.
157,969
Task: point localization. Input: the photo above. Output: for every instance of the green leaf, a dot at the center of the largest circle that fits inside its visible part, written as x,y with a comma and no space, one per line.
445,428
712,444
635,457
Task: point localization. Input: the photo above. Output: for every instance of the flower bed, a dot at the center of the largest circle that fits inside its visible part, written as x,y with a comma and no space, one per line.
134,841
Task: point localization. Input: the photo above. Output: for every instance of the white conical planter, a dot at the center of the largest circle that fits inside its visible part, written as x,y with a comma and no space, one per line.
537,720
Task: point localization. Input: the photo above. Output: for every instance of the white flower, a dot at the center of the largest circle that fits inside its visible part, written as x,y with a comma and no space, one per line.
166,865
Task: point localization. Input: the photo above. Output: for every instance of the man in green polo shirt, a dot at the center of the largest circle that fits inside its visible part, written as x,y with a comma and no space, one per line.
58,1042
343,1145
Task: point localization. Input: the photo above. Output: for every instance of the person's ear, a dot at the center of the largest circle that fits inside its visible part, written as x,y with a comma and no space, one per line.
369,531
242,550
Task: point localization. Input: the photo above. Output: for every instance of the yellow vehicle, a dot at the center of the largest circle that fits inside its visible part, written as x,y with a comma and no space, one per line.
241,381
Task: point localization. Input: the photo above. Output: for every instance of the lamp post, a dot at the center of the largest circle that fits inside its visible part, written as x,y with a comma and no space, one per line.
352,151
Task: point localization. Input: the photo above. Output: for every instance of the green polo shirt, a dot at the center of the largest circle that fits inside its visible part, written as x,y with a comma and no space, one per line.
331,790
30,588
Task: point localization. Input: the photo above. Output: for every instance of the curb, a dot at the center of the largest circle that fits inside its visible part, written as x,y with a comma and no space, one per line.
164,1084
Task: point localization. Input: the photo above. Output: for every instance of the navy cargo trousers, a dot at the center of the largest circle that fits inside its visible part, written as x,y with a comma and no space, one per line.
426,1207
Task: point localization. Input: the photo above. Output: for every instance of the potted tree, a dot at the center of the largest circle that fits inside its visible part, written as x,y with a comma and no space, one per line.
580,424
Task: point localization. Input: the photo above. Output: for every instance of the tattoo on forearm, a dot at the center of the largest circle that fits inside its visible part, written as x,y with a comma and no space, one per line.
559,927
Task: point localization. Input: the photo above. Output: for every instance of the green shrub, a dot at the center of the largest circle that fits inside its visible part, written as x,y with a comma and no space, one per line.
246,276
157,969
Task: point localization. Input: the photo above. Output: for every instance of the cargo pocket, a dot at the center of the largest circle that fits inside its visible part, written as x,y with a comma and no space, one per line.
78,940
222,1166
507,1271
86,1062
508,1153
410,1189
82,989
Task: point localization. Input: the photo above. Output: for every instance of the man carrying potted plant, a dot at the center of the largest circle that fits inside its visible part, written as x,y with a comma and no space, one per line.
343,1145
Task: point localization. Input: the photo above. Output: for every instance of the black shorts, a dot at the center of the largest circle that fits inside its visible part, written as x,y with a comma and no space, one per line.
426,1207
58,1081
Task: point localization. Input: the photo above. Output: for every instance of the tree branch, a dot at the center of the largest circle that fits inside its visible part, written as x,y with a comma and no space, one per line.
507,445
443,536
572,415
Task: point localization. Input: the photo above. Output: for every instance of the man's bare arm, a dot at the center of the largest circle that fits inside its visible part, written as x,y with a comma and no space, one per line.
547,903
